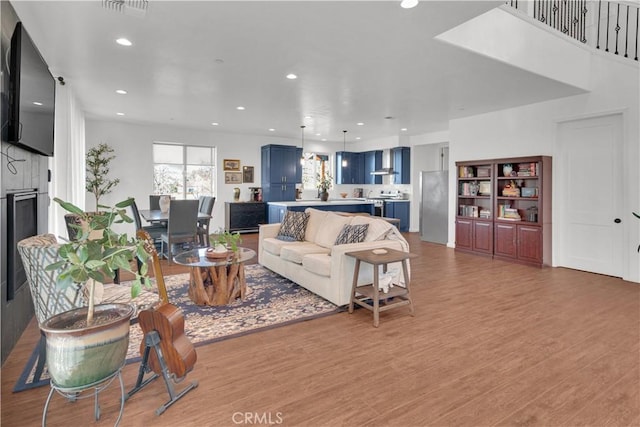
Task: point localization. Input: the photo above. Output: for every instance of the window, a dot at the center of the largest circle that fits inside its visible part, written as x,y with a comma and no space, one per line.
314,165
183,171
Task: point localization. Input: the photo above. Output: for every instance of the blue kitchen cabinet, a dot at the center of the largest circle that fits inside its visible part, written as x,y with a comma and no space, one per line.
372,162
399,210
279,167
353,173
401,157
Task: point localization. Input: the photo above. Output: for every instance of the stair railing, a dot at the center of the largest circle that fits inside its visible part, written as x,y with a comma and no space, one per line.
616,23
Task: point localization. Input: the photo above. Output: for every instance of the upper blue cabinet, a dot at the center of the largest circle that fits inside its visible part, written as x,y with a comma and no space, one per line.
359,167
372,162
353,172
279,167
401,158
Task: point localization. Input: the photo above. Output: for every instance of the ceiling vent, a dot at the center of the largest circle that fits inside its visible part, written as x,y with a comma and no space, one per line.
128,7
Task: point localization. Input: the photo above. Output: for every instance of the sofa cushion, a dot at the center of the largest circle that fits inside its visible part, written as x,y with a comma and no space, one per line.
378,228
330,228
295,253
293,226
352,234
274,246
316,216
319,264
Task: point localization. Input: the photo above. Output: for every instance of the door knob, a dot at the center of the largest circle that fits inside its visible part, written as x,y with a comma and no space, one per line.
617,220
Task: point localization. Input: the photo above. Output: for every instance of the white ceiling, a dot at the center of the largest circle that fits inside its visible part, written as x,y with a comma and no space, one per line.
193,63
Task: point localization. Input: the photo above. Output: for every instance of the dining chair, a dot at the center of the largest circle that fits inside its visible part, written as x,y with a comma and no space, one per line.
182,226
154,230
206,207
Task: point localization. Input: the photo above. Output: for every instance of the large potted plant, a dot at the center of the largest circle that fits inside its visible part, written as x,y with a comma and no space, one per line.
88,344
97,168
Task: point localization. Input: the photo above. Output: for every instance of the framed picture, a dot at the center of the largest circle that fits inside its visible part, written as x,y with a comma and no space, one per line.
231,165
233,177
485,188
247,174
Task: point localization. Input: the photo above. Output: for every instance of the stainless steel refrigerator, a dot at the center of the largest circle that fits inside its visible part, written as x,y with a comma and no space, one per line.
434,222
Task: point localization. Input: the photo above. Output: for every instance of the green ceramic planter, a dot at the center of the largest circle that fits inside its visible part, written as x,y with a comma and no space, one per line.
83,356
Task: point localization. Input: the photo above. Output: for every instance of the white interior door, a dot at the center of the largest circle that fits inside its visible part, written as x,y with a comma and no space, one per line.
590,232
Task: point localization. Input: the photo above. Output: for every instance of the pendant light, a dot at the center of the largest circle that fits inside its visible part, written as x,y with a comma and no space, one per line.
302,157
344,149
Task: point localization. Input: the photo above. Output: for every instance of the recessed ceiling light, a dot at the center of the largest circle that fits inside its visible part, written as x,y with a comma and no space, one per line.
307,117
37,103
403,129
357,137
121,91
408,4
240,107
215,124
360,124
272,130
292,76
120,114
323,139
318,134
124,42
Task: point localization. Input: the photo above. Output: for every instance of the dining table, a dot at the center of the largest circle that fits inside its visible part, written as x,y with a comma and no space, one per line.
156,215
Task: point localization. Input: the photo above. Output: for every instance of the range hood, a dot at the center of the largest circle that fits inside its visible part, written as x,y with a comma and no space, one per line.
383,171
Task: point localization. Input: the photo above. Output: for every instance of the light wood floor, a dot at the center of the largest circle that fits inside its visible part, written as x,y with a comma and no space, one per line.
491,343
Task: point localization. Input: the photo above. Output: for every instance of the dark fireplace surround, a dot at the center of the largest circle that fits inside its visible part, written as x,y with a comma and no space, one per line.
22,222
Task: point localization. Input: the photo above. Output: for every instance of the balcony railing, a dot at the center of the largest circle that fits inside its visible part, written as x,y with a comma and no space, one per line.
609,26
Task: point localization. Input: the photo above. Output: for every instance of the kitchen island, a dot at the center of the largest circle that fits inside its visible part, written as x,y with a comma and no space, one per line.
276,210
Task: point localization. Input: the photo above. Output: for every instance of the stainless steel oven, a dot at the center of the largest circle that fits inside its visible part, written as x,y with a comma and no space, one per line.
378,206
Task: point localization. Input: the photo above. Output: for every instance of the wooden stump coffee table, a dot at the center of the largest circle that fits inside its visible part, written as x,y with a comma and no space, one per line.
216,281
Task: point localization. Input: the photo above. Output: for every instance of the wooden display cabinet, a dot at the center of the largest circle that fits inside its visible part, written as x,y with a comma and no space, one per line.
474,226
518,208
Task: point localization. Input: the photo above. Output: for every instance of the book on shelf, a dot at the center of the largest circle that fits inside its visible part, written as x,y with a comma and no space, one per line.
465,172
469,210
483,171
527,169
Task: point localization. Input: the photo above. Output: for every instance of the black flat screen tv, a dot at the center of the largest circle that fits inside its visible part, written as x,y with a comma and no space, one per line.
31,96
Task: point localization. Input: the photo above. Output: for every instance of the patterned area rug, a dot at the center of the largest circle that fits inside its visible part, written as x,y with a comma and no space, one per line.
271,301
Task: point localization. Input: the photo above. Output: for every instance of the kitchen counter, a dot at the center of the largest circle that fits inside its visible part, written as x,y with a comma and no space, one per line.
277,210
321,203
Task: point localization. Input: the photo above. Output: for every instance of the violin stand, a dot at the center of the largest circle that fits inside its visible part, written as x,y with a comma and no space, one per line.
152,341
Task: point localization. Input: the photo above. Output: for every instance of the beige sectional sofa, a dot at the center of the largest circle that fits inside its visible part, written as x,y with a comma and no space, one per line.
317,263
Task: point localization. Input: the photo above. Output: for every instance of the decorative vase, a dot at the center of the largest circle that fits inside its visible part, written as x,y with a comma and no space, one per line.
164,203
79,356
236,194
324,196
507,168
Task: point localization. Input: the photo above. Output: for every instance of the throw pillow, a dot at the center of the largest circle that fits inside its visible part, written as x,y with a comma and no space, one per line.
378,228
352,234
293,226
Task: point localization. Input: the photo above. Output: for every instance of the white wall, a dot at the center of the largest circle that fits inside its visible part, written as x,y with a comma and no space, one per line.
531,130
134,163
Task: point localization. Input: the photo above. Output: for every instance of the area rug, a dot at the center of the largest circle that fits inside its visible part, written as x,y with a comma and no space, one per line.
271,301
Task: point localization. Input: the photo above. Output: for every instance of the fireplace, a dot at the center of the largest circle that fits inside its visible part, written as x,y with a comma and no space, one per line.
22,222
